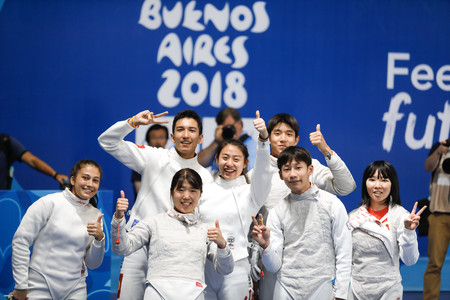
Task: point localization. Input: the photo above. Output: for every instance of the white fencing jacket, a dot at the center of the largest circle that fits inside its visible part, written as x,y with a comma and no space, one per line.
234,202
56,226
335,179
377,249
177,251
310,243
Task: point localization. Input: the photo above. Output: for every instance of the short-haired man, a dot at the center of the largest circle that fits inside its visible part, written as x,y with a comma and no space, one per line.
336,178
157,167
156,136
306,241
229,125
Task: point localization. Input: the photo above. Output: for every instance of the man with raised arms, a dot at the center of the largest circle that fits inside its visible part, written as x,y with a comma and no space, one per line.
157,167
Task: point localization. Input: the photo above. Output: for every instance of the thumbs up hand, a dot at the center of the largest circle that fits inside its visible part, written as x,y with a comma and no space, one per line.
215,235
318,140
260,125
95,228
122,205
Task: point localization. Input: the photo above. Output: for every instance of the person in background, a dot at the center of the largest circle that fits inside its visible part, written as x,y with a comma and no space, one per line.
229,126
156,136
382,233
12,150
178,242
65,231
438,220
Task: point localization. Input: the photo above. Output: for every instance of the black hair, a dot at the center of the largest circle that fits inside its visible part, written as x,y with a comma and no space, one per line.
387,171
77,167
188,113
228,111
156,127
238,144
296,153
283,118
188,175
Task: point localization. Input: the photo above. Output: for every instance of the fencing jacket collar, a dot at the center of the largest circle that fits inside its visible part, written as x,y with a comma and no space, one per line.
228,184
363,220
74,199
185,162
310,193
190,219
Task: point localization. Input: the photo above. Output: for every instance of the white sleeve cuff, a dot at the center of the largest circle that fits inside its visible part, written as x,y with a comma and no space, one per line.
99,244
223,252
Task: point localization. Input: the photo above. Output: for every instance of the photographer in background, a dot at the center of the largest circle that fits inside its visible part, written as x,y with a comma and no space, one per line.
229,126
438,162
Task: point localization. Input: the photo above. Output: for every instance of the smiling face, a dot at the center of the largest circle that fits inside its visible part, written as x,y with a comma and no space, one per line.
281,137
86,182
185,198
231,161
379,189
296,176
186,137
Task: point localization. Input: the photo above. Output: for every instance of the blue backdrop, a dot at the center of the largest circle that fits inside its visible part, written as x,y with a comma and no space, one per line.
374,74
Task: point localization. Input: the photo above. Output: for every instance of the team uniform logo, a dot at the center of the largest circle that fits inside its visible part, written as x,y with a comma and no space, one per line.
230,240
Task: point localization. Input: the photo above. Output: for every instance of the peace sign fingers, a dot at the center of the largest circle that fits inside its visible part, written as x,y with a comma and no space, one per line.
421,210
260,232
158,116
414,209
147,117
255,222
412,221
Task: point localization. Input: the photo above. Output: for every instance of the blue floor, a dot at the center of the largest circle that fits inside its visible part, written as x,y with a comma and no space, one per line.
413,275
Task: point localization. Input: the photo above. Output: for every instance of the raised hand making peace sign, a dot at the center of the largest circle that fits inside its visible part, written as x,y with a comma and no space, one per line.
412,221
260,232
147,117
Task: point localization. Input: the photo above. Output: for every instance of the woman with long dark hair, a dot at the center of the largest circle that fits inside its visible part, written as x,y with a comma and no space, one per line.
382,233
65,230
